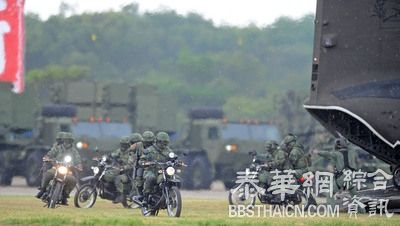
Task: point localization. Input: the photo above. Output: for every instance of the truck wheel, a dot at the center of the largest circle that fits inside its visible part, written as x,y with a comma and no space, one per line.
33,165
198,175
6,175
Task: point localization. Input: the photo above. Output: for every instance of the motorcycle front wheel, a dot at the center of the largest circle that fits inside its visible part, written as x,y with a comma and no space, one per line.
55,195
85,196
174,204
243,194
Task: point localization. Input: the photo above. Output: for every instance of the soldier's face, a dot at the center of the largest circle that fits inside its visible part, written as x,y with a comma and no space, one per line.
124,147
162,144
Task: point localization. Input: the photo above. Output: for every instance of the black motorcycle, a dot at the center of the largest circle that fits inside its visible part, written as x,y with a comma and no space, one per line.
91,186
54,191
246,193
166,194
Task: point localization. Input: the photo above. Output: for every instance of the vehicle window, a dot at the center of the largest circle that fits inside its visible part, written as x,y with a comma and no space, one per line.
250,132
115,129
86,129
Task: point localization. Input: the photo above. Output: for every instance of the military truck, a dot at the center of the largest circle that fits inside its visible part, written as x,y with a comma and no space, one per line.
27,131
217,148
97,114
355,85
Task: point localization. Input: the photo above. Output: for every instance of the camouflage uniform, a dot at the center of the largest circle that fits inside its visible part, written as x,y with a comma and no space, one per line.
58,152
297,159
125,159
136,141
264,175
342,158
148,139
157,152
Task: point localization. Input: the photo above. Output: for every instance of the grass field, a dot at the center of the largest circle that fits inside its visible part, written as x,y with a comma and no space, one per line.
26,210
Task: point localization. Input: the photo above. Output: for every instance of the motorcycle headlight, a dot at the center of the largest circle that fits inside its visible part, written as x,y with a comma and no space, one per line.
67,159
62,170
95,170
79,145
104,158
171,155
170,171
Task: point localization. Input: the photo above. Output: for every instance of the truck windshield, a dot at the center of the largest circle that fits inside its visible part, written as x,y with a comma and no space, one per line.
102,129
249,132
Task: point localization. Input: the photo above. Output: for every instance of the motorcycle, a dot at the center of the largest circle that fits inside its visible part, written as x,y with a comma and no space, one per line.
54,191
92,186
166,194
246,193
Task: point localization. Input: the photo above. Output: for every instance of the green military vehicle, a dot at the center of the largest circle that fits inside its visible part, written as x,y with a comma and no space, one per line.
27,131
97,114
217,148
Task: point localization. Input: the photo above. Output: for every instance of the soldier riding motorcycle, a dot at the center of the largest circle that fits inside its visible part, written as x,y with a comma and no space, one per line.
54,192
166,194
161,185
59,180
86,195
246,192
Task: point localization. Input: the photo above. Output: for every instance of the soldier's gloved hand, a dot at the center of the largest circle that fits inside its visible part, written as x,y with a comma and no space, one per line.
79,167
45,158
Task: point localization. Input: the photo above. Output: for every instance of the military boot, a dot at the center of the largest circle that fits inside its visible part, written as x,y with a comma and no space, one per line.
64,199
40,193
118,199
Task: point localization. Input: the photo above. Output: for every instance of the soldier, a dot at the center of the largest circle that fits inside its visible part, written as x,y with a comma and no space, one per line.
124,158
270,149
59,139
136,141
46,165
148,139
58,152
157,152
342,158
297,159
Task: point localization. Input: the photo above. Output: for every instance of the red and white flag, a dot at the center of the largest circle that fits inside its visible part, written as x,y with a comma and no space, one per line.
12,41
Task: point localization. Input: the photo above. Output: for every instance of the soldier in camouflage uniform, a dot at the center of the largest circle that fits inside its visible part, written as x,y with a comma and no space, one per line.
148,139
157,152
124,157
297,159
136,141
58,152
264,175
342,158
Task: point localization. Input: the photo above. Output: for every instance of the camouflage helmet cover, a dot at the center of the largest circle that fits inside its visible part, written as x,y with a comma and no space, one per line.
162,136
148,136
124,140
60,135
68,136
136,137
271,145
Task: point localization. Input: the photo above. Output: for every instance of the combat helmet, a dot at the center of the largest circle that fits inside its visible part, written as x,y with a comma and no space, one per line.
288,142
148,136
162,139
124,142
270,145
135,137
